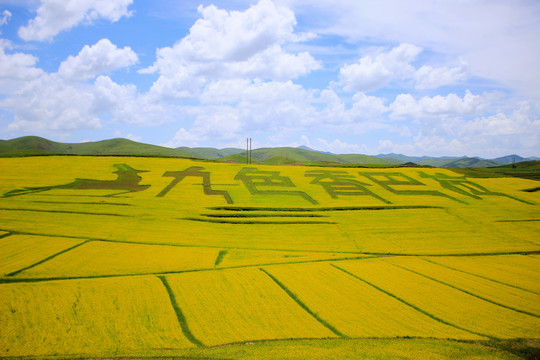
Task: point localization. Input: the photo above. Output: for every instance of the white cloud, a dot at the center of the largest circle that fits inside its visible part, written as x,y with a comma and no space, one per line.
373,72
428,77
15,68
102,57
518,122
54,16
6,15
496,38
231,45
47,104
406,106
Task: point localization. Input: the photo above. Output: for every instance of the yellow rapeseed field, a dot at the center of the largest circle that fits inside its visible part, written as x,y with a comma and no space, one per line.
107,256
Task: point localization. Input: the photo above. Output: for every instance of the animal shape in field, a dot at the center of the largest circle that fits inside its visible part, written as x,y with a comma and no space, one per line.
127,181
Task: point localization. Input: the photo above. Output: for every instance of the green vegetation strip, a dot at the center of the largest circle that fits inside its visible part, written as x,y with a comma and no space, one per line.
260,222
229,216
337,208
522,220
80,203
303,305
47,259
220,257
65,212
180,315
468,292
480,276
436,318
5,235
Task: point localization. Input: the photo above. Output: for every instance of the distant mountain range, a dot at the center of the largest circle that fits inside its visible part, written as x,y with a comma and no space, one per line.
33,146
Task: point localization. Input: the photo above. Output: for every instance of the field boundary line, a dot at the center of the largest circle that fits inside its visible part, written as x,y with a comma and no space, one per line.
65,212
336,208
6,235
467,292
260,222
420,310
78,203
47,259
296,299
481,276
180,315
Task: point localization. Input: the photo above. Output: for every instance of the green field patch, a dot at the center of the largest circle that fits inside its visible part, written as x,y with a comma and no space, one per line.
220,257
474,315
255,179
239,305
23,251
127,181
196,172
99,258
80,317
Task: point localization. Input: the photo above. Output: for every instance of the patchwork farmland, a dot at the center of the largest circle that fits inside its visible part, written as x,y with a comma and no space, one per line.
130,256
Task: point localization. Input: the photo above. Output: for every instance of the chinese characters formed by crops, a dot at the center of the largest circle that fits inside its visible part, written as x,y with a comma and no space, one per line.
336,183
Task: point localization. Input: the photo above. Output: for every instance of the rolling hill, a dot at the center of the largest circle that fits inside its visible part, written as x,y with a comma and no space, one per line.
34,145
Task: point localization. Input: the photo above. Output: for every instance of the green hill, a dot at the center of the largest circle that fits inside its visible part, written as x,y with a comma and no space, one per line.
34,145
211,153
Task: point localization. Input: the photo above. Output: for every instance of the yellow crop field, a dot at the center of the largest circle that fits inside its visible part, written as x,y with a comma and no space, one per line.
81,316
133,256
231,305
445,303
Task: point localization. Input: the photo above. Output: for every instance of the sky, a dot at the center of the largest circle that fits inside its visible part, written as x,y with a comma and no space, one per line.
417,77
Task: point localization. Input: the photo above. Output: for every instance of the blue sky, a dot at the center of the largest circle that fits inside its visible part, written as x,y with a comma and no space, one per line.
347,76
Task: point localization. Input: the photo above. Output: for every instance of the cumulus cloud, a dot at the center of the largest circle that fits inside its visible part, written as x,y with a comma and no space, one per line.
373,72
59,107
231,45
102,57
428,77
15,68
54,16
406,106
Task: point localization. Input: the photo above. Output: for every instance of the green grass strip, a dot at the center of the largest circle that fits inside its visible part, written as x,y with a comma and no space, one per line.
181,318
232,216
220,257
522,220
5,235
468,292
66,212
79,203
481,277
336,208
47,259
260,222
436,318
303,306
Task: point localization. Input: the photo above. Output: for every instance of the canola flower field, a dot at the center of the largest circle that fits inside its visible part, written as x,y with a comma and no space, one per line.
129,256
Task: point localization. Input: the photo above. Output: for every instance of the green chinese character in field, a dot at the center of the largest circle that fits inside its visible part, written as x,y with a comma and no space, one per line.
254,178
127,180
391,181
194,171
463,186
340,183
